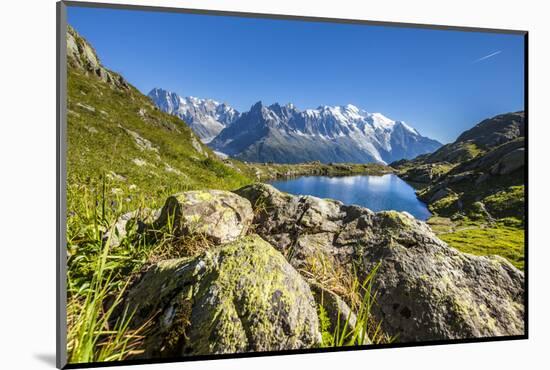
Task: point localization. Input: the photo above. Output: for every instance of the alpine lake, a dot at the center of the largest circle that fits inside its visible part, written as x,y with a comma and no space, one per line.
378,193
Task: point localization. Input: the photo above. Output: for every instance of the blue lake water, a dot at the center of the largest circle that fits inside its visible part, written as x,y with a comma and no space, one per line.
378,193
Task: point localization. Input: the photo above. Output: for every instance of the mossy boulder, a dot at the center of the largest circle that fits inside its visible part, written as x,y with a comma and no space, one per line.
219,216
429,291
239,297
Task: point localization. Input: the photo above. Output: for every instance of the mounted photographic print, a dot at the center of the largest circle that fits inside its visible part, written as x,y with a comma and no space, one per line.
235,184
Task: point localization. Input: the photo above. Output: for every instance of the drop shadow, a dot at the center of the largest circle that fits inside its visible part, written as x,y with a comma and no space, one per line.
46,358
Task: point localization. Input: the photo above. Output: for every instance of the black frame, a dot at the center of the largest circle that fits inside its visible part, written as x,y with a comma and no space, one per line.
61,117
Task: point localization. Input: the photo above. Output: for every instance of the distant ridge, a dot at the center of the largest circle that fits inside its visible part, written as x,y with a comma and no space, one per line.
284,134
328,134
206,117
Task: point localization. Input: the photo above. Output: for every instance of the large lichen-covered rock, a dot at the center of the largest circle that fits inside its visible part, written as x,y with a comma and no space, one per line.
280,219
238,297
218,215
426,290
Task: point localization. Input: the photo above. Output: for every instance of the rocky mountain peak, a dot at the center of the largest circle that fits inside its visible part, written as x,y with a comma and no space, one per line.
328,133
342,133
256,106
81,55
206,117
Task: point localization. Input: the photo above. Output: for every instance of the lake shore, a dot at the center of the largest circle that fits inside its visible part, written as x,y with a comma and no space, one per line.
474,235
265,172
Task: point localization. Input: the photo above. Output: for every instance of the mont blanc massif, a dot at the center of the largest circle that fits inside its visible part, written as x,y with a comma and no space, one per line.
285,134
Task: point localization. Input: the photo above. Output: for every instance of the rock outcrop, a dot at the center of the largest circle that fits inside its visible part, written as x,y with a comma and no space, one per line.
283,220
426,290
261,293
496,131
81,55
487,159
238,297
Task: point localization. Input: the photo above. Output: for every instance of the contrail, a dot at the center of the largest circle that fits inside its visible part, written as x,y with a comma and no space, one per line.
488,56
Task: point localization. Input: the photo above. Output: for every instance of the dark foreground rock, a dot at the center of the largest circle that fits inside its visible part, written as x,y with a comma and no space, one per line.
239,297
426,290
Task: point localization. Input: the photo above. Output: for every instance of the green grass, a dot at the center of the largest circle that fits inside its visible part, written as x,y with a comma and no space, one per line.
97,277
367,330
505,203
148,154
501,240
444,206
472,150
94,334
327,338
440,225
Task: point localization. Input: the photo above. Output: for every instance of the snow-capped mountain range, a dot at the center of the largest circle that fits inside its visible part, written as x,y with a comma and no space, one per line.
285,134
206,117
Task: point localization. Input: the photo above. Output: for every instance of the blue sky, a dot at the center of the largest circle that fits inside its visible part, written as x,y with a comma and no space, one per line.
440,82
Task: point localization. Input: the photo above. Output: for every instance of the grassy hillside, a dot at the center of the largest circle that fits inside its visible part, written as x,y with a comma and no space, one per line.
120,136
475,188
123,154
